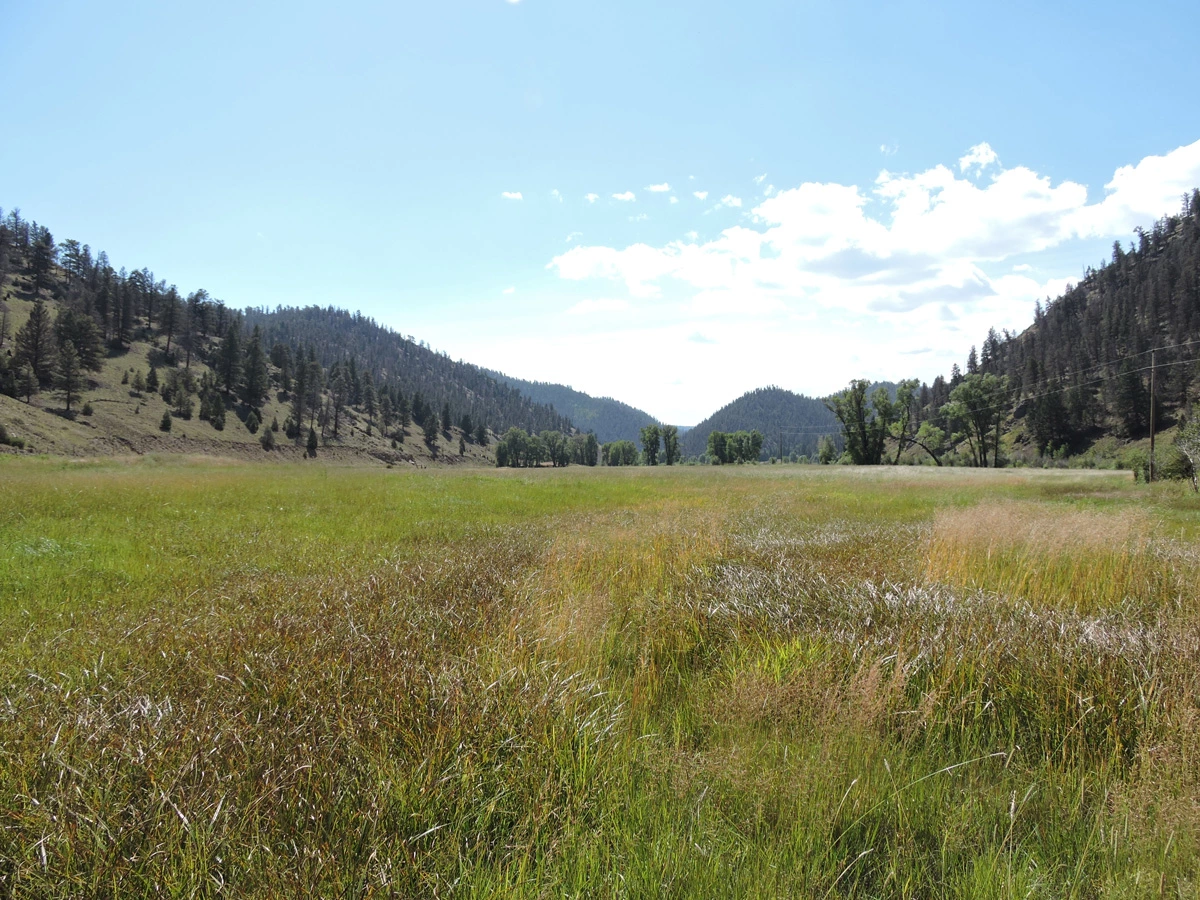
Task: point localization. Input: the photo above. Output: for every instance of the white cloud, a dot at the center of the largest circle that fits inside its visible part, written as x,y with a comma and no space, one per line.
978,157
730,200
641,217
509,290
591,198
700,195
889,149
1141,193
768,190
692,235
556,195
759,179
600,305
908,242
625,197
658,188
573,236
674,200
511,195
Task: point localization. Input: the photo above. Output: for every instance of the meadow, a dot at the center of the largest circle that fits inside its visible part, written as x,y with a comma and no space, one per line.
765,681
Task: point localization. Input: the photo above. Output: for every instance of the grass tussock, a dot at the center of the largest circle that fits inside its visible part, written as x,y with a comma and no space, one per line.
1079,558
594,684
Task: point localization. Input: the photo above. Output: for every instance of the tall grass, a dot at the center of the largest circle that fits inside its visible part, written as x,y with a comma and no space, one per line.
788,682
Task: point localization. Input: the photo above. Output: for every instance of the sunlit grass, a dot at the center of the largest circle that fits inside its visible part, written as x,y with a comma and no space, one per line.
735,682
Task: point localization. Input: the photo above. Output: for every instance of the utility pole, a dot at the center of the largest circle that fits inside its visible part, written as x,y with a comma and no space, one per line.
1151,416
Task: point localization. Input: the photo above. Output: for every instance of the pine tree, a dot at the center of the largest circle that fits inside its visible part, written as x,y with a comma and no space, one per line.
229,361
34,342
27,382
42,260
165,423
256,378
312,444
69,375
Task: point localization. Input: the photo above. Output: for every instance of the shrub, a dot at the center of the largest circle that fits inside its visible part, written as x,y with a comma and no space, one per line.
87,409
252,422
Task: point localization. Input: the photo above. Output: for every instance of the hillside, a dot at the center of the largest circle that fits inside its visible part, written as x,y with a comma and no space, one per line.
610,419
777,413
1081,373
152,371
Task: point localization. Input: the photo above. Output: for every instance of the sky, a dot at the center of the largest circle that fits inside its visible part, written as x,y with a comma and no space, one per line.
669,203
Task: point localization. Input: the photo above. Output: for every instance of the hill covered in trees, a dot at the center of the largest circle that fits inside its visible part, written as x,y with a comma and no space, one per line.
1083,372
776,413
95,359
609,419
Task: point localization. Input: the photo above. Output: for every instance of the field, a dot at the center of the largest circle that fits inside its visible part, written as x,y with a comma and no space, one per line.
746,682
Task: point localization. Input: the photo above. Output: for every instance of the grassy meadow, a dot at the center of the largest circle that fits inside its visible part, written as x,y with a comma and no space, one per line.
739,682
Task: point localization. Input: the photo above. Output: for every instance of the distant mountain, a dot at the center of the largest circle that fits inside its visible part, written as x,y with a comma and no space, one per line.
777,413
610,419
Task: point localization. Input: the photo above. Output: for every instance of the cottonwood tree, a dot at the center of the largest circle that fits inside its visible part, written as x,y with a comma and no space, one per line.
670,441
650,436
866,424
1187,442
980,404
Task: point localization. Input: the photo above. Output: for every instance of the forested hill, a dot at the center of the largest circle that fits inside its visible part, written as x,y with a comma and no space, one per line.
771,410
611,420
97,359
1081,370
411,366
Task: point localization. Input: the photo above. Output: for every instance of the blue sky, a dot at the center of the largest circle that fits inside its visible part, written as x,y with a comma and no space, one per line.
851,189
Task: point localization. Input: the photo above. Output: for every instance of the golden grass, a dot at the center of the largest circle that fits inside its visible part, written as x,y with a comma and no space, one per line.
1080,558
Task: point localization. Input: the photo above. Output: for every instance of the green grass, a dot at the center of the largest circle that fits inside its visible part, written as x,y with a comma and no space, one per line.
744,682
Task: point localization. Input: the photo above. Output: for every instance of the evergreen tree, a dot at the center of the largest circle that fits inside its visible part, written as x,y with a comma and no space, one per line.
165,423
481,435
446,418
42,260
27,382
256,379
168,316
229,361
80,330
34,342
311,447
69,375
1131,401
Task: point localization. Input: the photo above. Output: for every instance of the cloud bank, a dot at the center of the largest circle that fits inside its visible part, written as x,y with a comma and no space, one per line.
904,242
